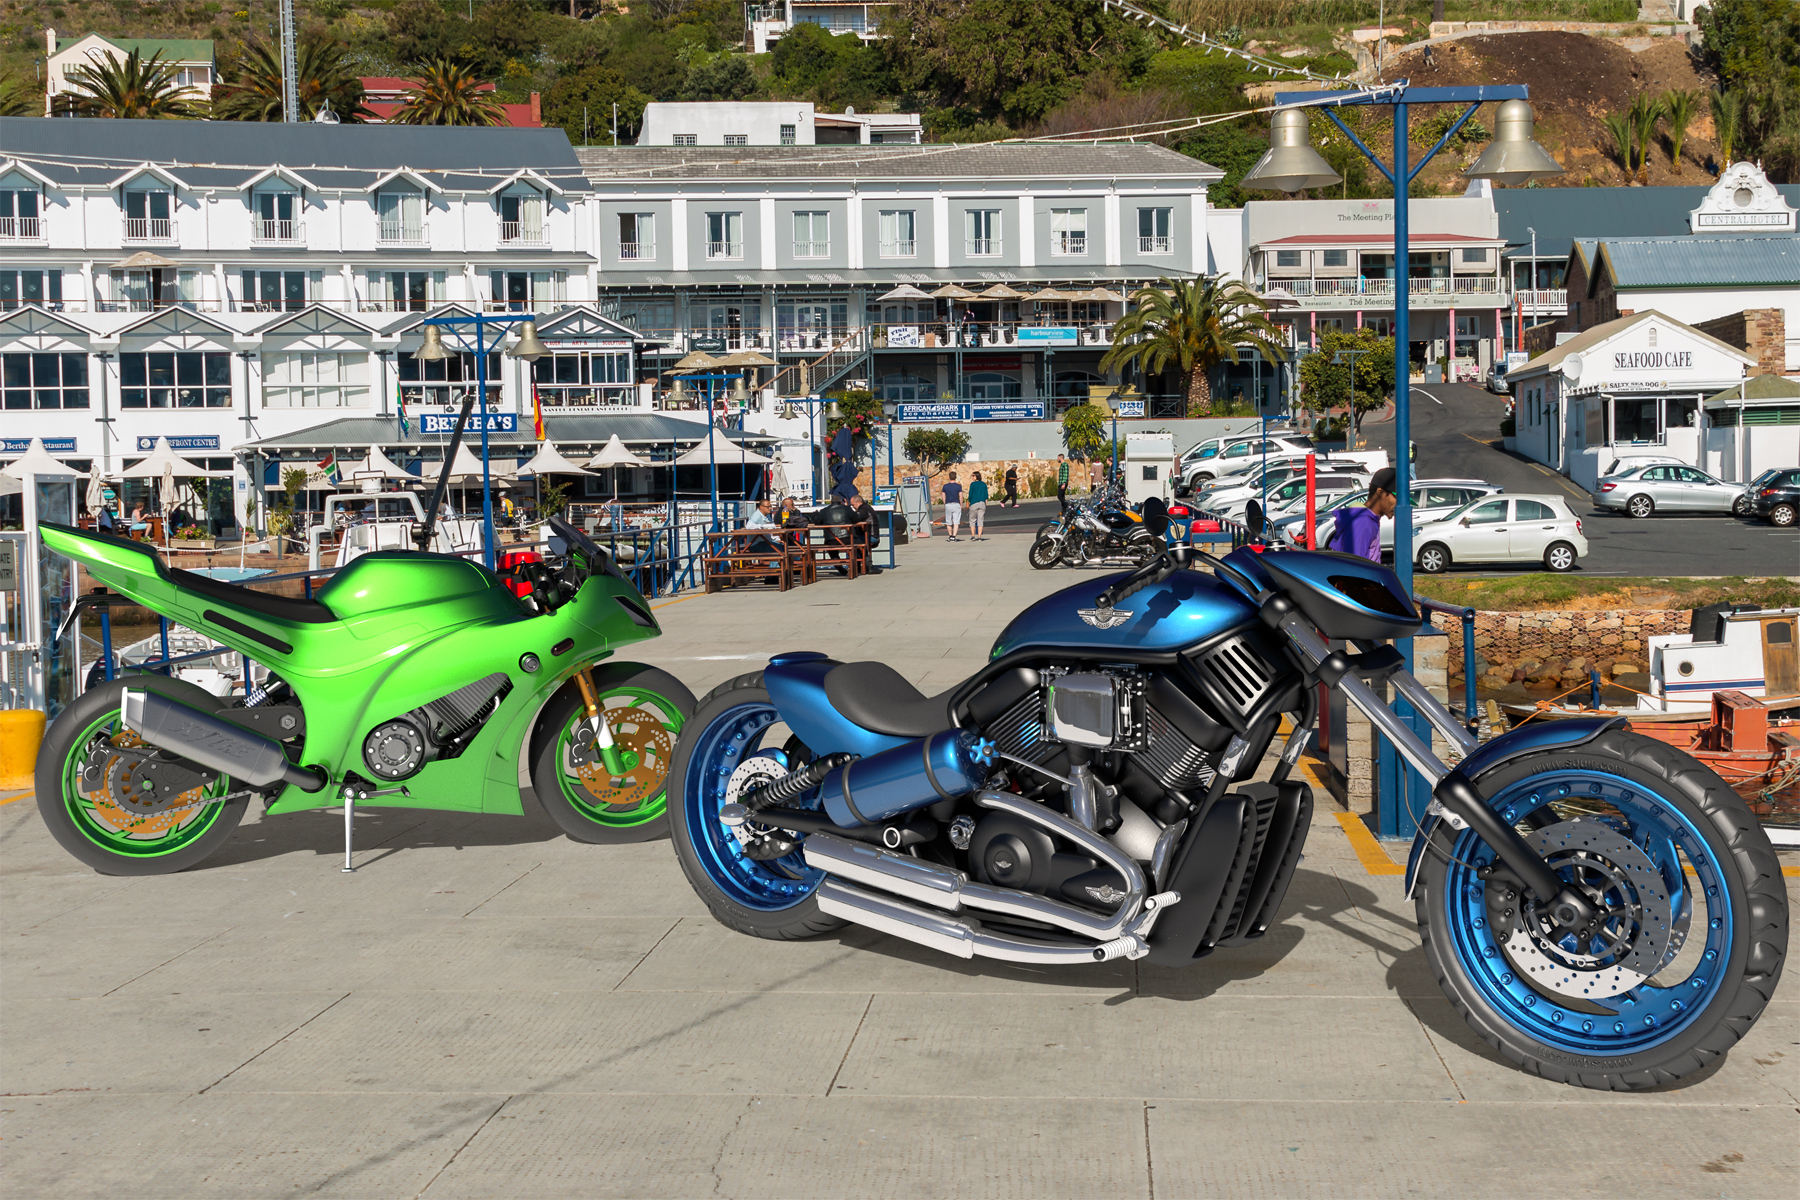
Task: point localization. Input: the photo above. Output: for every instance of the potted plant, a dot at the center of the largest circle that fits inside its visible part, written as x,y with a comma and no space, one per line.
192,537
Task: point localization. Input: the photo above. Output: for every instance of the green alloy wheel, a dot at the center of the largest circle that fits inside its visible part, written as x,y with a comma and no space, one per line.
645,708
103,810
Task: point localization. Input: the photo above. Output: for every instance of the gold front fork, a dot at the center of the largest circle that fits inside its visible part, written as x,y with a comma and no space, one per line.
603,738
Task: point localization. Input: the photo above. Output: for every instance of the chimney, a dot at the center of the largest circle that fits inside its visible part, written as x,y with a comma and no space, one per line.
537,110
49,44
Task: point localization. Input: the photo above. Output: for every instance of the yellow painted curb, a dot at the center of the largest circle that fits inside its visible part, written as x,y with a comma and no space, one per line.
1374,859
26,795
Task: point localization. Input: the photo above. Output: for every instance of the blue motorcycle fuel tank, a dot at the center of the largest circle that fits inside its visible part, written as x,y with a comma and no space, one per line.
1187,607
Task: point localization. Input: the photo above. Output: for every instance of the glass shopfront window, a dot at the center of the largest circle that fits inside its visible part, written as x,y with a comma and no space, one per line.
310,380
445,380
584,378
44,380
991,385
184,379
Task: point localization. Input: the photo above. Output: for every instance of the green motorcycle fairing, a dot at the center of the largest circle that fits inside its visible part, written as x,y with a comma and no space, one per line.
391,632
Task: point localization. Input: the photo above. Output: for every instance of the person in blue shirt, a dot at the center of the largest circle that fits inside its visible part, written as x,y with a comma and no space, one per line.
1358,531
953,493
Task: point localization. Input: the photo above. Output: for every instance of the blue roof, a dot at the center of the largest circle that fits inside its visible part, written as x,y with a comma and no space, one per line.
1562,214
1699,262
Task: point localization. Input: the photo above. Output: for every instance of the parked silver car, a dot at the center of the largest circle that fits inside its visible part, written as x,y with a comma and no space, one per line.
1431,499
1668,488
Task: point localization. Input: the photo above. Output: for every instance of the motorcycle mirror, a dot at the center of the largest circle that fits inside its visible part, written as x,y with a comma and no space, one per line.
559,546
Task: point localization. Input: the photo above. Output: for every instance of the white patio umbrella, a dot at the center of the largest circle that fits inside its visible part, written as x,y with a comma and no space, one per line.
953,291
96,492
161,457
905,291
614,454
37,461
10,486
724,451
376,465
551,461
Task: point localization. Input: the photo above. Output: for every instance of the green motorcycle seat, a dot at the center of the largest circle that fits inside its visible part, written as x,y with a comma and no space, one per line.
389,579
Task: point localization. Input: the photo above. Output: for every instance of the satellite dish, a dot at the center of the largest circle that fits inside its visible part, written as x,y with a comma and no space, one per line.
1571,367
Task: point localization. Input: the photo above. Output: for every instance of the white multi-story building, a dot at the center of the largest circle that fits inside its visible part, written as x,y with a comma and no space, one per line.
192,60
767,20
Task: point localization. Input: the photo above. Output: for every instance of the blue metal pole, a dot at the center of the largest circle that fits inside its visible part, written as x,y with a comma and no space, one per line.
890,452
487,493
163,627
1468,623
712,466
106,642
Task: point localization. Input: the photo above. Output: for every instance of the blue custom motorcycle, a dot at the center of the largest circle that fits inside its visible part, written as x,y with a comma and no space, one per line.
1601,907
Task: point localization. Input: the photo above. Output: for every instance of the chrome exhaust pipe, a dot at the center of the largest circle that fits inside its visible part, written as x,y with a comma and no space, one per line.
201,737
940,932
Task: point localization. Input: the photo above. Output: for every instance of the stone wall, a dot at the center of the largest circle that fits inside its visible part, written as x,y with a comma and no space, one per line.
1544,647
1759,332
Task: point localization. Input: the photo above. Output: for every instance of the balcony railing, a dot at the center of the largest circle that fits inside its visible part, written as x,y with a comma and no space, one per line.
981,247
146,229
611,395
274,231
1444,291
392,234
1069,243
906,249
936,335
21,228
148,305
812,249
514,233
1156,245
637,250
1543,299
724,249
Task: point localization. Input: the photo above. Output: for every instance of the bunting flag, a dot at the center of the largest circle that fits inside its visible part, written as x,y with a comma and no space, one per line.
537,413
400,400
328,467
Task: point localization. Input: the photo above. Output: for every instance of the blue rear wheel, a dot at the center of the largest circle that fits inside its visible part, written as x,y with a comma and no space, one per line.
734,740
1693,935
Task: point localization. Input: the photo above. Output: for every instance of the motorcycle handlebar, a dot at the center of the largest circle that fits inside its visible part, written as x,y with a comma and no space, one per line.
1155,571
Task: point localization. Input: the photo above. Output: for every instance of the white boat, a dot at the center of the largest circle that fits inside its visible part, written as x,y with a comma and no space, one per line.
1756,652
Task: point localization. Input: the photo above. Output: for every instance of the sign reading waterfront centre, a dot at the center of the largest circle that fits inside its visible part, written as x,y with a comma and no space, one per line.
180,445
446,423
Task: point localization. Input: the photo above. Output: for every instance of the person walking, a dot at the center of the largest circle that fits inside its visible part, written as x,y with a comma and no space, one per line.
978,495
1012,486
953,494
1062,481
1358,531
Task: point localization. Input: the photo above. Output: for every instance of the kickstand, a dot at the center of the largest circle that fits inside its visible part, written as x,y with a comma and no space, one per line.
351,795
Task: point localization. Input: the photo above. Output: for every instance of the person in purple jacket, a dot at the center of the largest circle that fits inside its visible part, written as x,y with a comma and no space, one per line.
1358,531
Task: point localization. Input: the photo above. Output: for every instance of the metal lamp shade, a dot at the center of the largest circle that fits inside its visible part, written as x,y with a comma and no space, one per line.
834,411
1291,164
740,391
679,391
434,349
1514,156
529,346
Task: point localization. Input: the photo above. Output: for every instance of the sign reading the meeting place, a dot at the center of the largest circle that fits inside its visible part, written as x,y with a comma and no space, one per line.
1008,410
446,423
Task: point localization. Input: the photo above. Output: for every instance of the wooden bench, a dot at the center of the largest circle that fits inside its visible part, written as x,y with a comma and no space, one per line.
850,552
745,556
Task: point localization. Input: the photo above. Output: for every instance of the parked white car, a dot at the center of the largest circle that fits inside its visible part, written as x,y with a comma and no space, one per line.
1431,499
1233,503
1503,529
1240,456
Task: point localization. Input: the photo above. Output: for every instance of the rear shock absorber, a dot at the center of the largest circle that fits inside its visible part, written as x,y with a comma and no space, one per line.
796,784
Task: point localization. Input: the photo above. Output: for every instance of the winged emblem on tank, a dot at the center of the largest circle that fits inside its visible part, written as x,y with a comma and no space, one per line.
1105,618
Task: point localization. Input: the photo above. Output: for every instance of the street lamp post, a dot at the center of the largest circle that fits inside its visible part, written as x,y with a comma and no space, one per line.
1112,403
1291,164
890,409
1350,356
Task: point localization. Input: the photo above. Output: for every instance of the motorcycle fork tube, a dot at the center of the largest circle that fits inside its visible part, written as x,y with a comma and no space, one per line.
603,738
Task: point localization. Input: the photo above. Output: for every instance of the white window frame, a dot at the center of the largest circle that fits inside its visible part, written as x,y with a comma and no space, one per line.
983,230
889,242
720,242
398,231
529,229
349,384
686,139
644,248
1154,242
148,228
790,135
274,228
812,247
737,139
1068,232
15,227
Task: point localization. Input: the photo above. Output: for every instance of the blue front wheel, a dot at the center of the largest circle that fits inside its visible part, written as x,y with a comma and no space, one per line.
1690,940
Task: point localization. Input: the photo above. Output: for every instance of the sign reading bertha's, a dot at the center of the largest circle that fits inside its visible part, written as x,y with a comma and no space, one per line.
1651,360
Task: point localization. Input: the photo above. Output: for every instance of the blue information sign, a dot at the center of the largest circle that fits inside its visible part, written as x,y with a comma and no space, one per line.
1011,410
946,411
51,445
1131,408
446,423
1053,335
180,445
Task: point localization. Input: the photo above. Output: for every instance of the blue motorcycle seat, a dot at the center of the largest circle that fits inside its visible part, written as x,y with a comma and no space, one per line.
879,699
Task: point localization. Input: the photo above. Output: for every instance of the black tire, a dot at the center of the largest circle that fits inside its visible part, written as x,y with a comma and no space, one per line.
1434,558
563,796
800,920
1752,962
1782,515
61,808
1743,507
1560,557
1044,554
1640,506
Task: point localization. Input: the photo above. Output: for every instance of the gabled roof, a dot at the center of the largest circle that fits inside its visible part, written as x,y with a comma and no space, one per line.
31,321
584,322
524,175
145,168
172,49
1589,338
402,173
277,171
1700,262
173,321
992,161
316,318
1757,388
8,166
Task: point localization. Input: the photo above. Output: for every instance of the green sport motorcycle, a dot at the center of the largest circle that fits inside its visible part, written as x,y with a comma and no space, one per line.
413,680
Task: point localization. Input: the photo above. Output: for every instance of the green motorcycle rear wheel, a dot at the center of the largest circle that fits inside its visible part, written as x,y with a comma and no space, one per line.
646,709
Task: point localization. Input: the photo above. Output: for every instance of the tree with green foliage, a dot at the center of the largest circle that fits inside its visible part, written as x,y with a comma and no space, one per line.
1728,117
325,76
1233,148
1754,46
860,412
1679,111
1084,431
1645,111
1194,325
133,87
446,93
829,69
1325,383
1619,128
935,450
721,77
20,96
591,86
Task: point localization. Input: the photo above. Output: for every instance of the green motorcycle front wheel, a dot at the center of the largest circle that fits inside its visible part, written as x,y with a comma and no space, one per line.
94,804
645,708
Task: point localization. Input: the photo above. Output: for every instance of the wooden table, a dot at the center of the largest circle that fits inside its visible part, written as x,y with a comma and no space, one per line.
746,556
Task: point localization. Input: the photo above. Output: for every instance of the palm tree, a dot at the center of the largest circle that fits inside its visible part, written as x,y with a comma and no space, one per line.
130,87
1619,126
20,97
1678,108
1195,324
324,75
1644,113
448,94
1728,122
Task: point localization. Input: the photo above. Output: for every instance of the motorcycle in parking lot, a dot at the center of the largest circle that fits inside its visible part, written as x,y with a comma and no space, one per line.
412,679
1100,529
1601,907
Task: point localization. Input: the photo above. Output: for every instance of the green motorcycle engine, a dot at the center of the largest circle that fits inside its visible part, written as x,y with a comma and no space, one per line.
400,748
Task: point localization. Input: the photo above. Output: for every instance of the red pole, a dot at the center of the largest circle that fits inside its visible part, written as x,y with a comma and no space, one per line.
1312,500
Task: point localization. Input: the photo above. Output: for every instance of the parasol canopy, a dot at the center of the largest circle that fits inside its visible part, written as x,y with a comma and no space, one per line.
746,358
614,454
10,486
144,260
550,461
1050,293
1101,294
466,468
725,453
697,361
905,291
376,464
37,461
1000,292
163,458
953,291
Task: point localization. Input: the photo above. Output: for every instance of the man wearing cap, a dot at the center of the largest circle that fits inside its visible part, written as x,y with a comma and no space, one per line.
1358,530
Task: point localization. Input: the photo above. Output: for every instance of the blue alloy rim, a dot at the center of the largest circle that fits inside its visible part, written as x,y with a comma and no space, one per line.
1647,1015
722,746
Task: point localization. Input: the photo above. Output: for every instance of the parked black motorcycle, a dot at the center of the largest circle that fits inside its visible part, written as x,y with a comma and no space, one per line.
1600,906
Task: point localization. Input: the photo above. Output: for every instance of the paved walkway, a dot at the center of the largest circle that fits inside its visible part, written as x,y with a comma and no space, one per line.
488,1009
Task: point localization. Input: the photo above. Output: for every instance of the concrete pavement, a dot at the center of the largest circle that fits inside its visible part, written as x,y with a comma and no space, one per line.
488,1009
